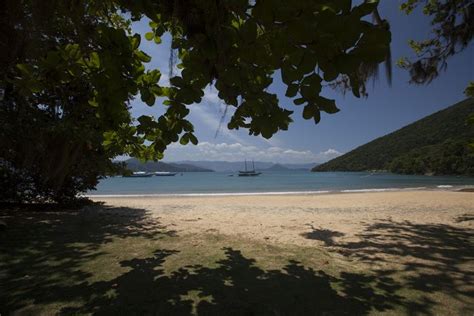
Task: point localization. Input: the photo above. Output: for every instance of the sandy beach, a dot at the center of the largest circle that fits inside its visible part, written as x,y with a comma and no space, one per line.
383,253
305,220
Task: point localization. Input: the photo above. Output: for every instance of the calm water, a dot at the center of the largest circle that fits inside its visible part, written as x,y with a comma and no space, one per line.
271,182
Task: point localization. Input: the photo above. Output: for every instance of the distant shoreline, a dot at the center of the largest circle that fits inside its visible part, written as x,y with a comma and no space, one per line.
465,188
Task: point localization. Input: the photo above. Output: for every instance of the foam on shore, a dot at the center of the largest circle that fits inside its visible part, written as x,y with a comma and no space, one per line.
210,194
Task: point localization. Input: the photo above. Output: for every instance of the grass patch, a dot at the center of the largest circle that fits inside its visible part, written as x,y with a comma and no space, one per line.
122,261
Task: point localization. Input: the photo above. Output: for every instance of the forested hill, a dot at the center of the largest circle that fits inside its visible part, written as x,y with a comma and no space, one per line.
436,144
153,166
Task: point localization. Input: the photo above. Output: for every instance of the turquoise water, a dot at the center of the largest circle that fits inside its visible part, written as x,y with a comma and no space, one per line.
210,183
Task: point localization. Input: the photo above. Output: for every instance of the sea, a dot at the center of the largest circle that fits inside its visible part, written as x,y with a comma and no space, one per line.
273,183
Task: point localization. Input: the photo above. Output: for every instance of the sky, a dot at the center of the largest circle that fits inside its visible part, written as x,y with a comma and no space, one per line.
386,109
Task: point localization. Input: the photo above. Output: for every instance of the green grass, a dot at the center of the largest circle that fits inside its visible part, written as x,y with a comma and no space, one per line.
120,261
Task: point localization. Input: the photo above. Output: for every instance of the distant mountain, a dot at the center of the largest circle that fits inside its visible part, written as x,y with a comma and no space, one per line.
436,144
153,166
301,166
277,167
234,166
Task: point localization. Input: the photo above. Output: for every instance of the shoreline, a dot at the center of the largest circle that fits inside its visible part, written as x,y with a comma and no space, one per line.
443,188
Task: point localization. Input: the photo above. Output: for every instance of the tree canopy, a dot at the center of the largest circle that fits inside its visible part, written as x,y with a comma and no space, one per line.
71,69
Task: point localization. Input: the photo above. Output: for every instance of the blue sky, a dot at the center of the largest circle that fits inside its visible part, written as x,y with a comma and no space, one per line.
359,121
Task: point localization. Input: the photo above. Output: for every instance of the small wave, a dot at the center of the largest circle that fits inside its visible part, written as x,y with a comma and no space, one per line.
207,194
382,190
444,186
251,193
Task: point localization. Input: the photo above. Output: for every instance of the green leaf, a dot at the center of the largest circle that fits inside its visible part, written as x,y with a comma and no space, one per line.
149,36
309,93
143,57
313,80
184,139
151,100
73,51
308,111
292,90
355,86
154,75
469,91
327,105
308,62
145,95
317,117
135,41
93,102
94,60
53,59
367,7
193,139
296,56
330,73
24,69
299,101
288,74
177,81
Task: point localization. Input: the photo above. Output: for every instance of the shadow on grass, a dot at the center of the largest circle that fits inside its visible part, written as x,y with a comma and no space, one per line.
43,250
430,258
44,254
236,287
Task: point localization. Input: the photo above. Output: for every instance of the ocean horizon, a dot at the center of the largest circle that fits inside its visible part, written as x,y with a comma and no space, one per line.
273,183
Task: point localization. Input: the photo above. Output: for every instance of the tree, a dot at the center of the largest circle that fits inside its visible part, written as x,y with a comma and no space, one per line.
453,30
71,70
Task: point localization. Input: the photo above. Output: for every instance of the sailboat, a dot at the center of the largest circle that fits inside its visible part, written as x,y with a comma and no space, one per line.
249,173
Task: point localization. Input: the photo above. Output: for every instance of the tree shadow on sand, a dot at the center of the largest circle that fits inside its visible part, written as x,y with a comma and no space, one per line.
325,235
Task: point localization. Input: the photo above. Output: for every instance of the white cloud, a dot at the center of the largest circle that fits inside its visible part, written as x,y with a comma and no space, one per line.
164,80
238,152
328,155
211,95
214,115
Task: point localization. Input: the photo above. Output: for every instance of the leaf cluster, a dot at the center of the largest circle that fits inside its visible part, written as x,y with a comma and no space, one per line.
453,30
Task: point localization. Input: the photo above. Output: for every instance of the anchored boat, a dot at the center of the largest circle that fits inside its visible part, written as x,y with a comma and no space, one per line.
139,174
165,174
249,173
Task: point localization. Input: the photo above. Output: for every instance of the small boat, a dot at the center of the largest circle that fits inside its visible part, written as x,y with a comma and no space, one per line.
139,174
249,173
165,174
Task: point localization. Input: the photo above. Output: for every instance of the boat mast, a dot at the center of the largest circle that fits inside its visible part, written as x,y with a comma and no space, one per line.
253,165
245,164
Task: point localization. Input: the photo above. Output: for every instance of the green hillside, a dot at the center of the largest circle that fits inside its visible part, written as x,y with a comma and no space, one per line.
436,144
